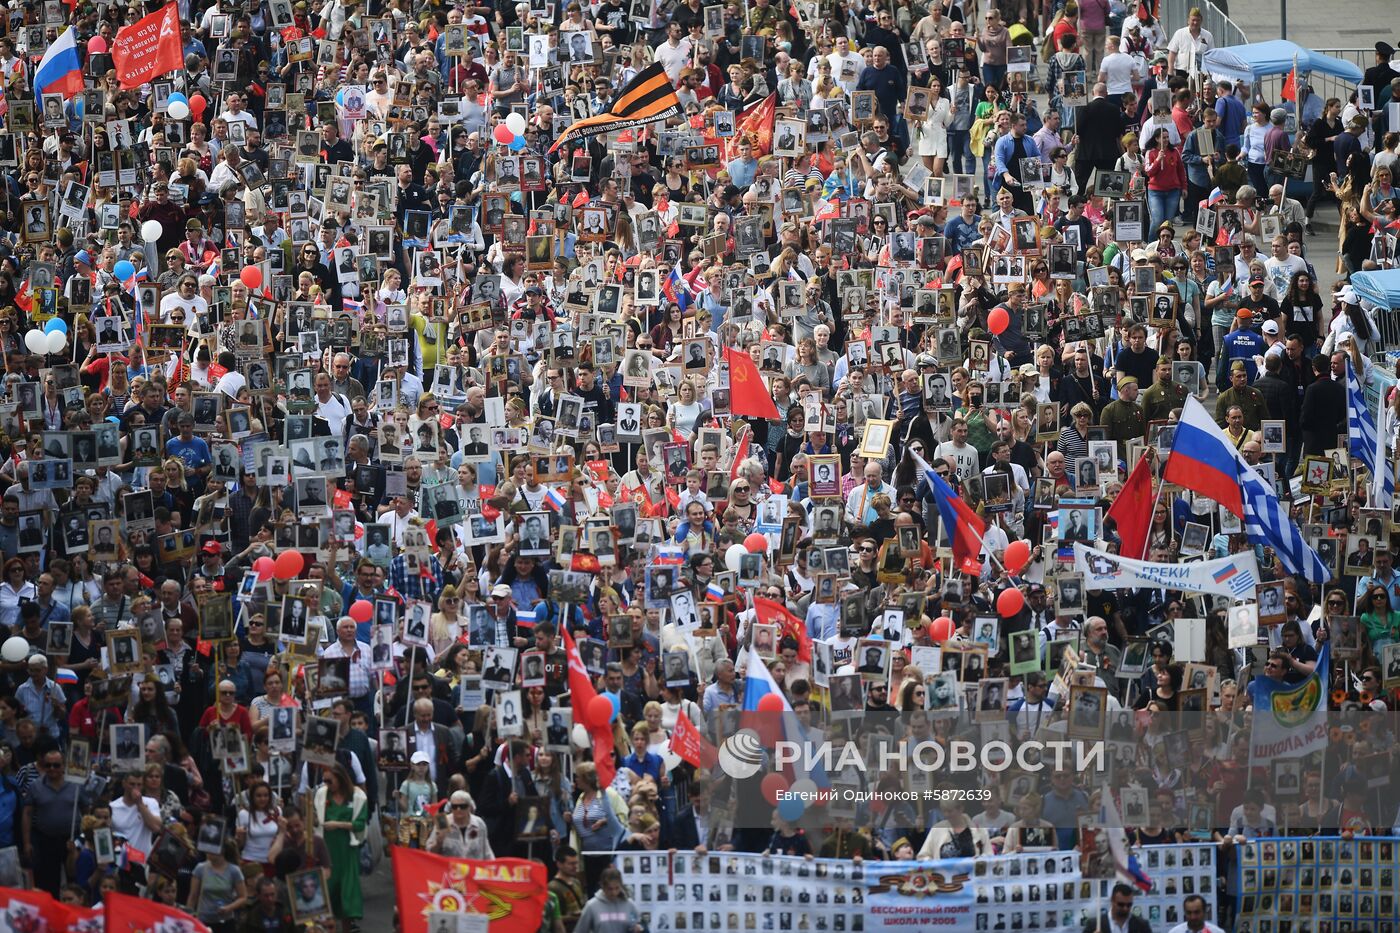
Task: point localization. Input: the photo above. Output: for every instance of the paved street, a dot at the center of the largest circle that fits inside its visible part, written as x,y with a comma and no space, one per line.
1340,24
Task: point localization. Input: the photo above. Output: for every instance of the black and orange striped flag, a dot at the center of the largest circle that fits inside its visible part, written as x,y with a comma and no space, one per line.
648,98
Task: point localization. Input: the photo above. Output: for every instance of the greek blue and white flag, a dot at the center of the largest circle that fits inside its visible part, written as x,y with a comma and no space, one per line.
1367,444
1266,522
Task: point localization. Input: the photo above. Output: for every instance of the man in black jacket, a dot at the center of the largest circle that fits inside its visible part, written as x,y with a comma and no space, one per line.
500,792
1120,915
693,820
1281,399
1100,129
1323,415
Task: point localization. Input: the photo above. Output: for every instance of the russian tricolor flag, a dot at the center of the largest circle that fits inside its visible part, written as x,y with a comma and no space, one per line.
1203,460
60,71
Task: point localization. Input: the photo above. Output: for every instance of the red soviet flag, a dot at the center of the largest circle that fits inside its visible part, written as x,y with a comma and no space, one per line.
582,693
748,395
1132,511
690,746
149,48
510,892
127,914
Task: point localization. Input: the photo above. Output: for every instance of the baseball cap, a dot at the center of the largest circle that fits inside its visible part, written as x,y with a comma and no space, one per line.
500,591
1271,327
1140,255
212,547
421,758
1257,280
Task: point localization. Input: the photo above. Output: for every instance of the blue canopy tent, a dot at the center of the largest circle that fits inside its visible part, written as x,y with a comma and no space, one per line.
1276,57
1381,288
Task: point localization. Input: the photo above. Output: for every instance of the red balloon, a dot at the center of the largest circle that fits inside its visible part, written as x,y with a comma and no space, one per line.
251,276
502,134
96,45
1010,602
288,565
770,703
773,784
942,629
197,102
756,543
600,711
263,566
1018,553
998,320
361,610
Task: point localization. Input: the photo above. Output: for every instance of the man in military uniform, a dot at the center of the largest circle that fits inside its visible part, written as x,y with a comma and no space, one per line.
1249,399
1163,395
1123,419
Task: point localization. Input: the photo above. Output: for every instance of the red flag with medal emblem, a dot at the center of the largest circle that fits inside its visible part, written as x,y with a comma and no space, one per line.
511,892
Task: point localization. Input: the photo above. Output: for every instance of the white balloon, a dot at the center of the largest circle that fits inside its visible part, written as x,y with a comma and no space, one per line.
56,340
15,649
36,341
734,555
177,110
151,231
515,123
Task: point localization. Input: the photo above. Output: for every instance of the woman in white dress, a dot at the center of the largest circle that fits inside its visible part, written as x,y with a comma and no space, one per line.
931,139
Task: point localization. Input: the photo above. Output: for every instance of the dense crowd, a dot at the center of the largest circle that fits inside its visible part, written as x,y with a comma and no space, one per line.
351,393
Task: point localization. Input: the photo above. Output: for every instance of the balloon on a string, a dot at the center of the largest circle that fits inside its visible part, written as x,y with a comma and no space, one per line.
97,45
516,123
251,276
176,97
56,324
197,105
502,134
37,341
124,270
177,110
151,231
361,610
55,341
517,144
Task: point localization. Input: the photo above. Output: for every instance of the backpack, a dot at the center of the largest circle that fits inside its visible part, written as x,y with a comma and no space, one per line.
1047,44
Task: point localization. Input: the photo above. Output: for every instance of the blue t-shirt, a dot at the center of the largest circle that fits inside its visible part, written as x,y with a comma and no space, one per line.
1244,345
195,451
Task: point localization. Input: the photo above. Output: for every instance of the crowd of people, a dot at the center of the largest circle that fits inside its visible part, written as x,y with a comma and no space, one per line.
351,394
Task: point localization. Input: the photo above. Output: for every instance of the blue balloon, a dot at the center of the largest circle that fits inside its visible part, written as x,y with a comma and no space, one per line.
56,324
791,809
123,270
177,96
517,144
340,97
616,700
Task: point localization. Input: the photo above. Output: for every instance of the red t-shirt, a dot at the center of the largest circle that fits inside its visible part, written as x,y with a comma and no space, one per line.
240,718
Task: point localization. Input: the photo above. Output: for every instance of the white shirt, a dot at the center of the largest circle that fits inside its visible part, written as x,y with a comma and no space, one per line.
1182,43
846,69
191,307
242,116
674,58
1119,69
128,823
335,411
964,456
